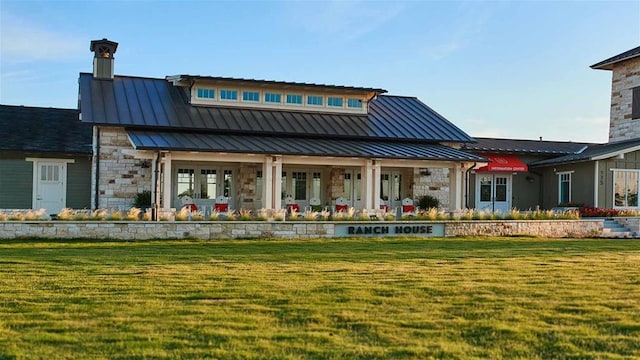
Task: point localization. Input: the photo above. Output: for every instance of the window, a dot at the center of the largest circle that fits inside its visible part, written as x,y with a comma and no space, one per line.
272,98
564,187
316,185
50,172
635,103
625,188
206,93
314,100
228,94
207,183
228,183
294,99
186,182
334,101
299,185
354,103
251,96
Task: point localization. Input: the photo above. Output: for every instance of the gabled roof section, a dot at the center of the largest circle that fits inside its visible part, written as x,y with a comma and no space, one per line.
515,146
594,152
156,103
188,78
43,130
209,142
608,64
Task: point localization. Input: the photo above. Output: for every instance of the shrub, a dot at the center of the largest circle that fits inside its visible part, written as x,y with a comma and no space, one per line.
142,200
427,202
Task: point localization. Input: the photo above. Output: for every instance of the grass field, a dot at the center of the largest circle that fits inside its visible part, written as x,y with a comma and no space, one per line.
399,298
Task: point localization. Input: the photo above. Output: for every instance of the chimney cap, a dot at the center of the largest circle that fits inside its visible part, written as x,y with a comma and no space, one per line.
100,46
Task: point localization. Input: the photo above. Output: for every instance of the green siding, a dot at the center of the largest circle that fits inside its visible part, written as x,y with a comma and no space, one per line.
79,184
16,176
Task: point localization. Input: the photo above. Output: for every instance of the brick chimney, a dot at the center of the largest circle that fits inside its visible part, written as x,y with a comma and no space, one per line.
103,51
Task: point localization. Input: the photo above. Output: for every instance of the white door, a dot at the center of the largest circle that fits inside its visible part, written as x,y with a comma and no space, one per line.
50,186
493,192
391,189
353,188
203,183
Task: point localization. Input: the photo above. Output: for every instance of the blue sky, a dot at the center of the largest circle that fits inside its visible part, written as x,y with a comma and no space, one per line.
498,69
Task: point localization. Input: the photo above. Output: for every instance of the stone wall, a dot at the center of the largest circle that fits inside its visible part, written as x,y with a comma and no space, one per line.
436,184
121,176
626,76
140,230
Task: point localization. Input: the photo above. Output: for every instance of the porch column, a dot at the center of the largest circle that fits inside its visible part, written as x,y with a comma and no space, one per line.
277,183
166,201
267,183
367,184
376,184
455,187
155,184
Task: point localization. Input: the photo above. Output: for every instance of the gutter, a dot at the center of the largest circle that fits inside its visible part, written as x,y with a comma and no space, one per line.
467,185
156,182
96,153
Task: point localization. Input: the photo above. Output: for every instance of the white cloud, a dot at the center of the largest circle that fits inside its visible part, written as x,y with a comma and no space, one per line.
22,41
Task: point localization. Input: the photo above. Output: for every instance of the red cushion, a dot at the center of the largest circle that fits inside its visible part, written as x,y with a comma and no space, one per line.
191,207
221,207
408,208
384,207
292,207
342,208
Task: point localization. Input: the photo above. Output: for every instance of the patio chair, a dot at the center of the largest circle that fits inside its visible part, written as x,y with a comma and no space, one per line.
341,204
408,209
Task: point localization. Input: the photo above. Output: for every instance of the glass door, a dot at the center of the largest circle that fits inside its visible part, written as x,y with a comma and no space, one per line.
493,192
391,189
203,183
352,188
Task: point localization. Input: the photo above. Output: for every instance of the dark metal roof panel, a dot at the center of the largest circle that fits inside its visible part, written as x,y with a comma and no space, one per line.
608,63
44,130
516,146
156,103
592,152
416,120
189,141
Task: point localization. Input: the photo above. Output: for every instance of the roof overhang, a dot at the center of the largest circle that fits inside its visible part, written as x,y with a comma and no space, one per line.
503,163
275,145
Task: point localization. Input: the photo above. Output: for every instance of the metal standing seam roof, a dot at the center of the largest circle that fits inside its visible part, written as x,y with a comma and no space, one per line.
44,130
536,147
276,83
156,103
593,152
608,63
208,142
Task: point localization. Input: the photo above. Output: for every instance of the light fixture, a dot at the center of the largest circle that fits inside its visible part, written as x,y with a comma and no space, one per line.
425,172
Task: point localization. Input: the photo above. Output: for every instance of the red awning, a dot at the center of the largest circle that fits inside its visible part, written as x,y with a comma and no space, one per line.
507,163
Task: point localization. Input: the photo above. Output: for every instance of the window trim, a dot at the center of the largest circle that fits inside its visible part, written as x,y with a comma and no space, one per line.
560,174
613,187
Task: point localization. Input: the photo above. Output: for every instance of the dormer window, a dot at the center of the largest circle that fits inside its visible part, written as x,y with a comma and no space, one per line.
226,94
251,96
294,99
204,93
315,100
354,103
334,101
273,98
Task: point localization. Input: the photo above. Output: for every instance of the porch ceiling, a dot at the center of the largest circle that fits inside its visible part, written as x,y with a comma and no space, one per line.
156,140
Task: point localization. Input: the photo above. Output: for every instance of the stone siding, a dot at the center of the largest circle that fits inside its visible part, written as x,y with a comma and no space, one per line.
626,76
140,230
121,176
435,184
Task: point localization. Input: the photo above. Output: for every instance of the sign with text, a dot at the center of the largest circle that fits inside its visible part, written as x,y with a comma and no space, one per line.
377,229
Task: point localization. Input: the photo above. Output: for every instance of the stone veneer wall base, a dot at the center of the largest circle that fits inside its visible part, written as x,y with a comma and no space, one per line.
141,230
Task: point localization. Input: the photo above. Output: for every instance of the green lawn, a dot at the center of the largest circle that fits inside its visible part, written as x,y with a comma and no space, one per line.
396,298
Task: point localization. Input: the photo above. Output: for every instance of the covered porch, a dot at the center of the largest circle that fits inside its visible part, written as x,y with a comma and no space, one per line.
256,173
